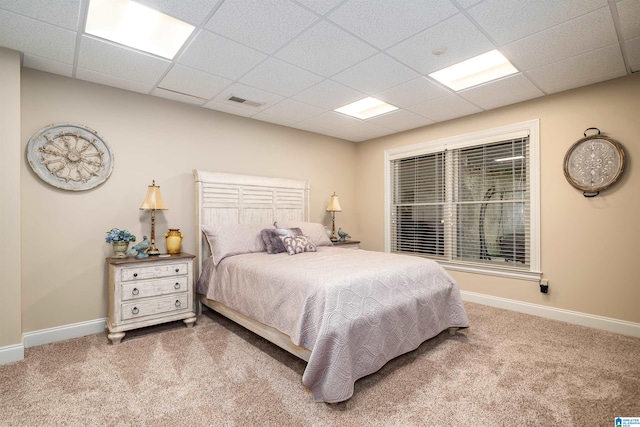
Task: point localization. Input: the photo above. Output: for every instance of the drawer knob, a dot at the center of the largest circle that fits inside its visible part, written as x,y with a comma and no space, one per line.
135,310
176,286
135,274
135,291
177,270
177,303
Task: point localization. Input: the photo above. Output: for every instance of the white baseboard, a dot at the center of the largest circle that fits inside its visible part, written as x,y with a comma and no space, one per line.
11,353
61,333
575,317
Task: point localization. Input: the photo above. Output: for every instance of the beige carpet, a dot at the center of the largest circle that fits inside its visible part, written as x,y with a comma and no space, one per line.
508,369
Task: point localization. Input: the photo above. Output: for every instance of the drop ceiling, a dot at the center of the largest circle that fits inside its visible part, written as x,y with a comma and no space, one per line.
296,61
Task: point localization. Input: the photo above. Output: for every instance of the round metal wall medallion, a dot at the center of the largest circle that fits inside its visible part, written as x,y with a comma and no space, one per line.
594,163
70,157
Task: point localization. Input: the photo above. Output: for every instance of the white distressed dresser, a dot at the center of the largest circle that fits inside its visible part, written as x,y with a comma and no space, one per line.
145,292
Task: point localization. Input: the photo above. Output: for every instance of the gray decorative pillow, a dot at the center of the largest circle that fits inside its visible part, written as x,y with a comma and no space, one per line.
272,241
298,244
313,230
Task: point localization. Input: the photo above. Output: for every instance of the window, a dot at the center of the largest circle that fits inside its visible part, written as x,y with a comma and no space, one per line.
471,202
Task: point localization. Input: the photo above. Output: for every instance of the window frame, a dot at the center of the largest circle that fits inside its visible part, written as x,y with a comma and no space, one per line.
530,128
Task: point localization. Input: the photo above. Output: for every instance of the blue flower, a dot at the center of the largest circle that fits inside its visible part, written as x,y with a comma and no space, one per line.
117,235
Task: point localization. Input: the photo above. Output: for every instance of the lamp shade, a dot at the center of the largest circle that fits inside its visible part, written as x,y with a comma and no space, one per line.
153,199
334,204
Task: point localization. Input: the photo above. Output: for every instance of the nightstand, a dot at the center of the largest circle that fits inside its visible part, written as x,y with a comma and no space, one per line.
145,292
348,244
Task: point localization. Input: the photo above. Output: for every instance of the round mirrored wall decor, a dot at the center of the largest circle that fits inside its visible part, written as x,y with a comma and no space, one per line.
70,156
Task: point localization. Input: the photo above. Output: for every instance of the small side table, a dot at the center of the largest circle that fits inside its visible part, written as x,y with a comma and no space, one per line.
348,244
145,292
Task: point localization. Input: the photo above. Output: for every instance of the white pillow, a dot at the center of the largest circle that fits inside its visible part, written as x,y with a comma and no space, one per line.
233,239
313,230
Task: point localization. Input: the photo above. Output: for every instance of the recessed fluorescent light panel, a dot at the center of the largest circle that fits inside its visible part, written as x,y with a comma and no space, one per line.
137,26
477,70
366,108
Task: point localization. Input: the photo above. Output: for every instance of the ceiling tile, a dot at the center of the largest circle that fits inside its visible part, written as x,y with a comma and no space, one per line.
633,53
111,59
589,68
375,74
38,38
193,12
47,65
329,95
510,90
457,36
107,80
294,111
261,24
230,107
400,120
193,82
326,121
61,13
220,56
277,76
360,131
412,92
181,97
629,14
383,23
506,20
592,31
320,7
325,49
445,108
467,3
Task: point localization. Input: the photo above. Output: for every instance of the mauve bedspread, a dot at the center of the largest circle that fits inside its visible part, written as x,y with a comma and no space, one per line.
354,309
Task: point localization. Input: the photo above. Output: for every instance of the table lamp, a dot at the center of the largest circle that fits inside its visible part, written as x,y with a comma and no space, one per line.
152,202
333,207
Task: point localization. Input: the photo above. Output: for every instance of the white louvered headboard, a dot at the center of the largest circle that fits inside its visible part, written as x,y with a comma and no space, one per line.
223,198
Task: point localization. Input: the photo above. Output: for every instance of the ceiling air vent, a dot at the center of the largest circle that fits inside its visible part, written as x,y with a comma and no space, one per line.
244,101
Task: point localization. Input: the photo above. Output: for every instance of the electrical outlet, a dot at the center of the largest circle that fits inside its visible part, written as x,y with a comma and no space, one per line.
544,285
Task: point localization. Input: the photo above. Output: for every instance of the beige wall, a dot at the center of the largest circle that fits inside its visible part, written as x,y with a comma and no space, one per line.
10,315
590,247
64,275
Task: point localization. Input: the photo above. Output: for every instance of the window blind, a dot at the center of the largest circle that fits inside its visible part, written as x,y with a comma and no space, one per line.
465,205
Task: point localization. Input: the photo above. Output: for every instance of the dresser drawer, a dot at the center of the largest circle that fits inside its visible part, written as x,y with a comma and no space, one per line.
156,306
154,271
137,290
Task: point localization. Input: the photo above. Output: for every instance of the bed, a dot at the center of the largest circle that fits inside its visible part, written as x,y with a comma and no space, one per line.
346,312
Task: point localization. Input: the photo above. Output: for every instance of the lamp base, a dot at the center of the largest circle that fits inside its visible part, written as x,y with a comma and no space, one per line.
153,251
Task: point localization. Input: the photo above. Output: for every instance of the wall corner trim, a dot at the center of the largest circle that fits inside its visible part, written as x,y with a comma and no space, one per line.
11,353
61,333
599,322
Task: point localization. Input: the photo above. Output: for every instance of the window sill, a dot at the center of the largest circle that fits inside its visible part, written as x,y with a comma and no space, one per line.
533,276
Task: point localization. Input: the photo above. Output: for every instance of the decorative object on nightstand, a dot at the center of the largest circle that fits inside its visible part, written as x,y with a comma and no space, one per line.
140,250
333,207
343,235
174,240
152,202
145,292
119,240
